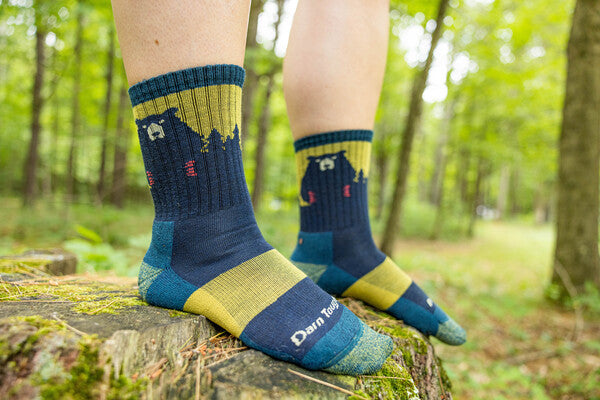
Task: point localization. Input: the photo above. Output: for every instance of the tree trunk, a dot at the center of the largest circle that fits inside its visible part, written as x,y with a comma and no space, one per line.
439,202
576,258
438,169
412,121
261,141
462,178
439,176
119,181
542,204
55,131
31,162
251,76
75,116
503,190
265,123
422,165
439,164
515,206
475,198
110,56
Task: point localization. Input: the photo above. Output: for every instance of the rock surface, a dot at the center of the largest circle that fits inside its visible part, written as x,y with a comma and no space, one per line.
82,336
38,262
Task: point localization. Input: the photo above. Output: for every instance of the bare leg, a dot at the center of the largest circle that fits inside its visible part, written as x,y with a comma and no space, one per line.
160,36
333,70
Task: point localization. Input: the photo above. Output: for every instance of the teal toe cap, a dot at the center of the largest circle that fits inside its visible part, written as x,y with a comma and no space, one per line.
367,356
451,333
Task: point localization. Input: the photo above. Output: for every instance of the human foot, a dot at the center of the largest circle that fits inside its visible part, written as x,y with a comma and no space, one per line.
266,301
207,255
335,247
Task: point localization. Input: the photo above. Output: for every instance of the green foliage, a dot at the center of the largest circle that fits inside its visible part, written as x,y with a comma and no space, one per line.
505,81
104,239
88,234
588,301
18,23
97,257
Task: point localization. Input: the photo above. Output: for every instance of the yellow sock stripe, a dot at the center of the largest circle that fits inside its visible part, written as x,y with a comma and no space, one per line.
235,297
381,287
358,154
202,109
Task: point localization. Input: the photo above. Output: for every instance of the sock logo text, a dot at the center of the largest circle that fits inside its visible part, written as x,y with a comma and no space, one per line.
299,336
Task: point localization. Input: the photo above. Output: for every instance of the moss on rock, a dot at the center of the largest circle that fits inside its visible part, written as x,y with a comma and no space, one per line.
178,314
33,266
39,262
87,297
402,332
43,358
413,370
393,381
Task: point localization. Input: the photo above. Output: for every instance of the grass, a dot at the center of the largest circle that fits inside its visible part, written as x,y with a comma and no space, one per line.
104,238
520,346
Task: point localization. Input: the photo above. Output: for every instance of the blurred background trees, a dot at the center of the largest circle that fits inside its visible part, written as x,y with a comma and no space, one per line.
466,130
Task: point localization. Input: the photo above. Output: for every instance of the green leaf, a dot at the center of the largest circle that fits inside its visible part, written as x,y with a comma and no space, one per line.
88,234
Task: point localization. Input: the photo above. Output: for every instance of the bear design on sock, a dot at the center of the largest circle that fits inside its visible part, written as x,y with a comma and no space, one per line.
160,132
336,165
151,130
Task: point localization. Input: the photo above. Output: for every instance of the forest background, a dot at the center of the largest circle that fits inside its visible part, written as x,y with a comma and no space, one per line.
469,184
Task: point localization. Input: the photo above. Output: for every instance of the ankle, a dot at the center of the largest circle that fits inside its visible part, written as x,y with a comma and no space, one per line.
353,242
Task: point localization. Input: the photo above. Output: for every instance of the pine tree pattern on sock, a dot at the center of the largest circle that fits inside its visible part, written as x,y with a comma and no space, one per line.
207,255
335,247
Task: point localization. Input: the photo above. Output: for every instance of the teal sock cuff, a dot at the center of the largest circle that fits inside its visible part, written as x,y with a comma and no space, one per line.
185,79
362,135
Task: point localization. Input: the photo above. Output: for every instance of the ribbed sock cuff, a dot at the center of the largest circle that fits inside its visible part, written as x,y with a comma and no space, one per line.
333,137
185,79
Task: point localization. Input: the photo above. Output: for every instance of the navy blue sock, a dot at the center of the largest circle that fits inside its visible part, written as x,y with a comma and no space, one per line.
207,255
335,247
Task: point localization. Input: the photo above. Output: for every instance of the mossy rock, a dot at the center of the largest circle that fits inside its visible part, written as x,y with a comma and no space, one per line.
37,262
413,371
41,358
93,337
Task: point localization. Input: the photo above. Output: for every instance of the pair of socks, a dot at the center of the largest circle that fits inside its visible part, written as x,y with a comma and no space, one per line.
207,255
